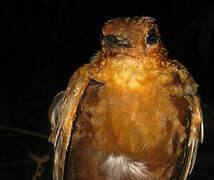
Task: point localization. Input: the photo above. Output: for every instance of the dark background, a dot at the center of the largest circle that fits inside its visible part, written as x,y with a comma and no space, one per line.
44,41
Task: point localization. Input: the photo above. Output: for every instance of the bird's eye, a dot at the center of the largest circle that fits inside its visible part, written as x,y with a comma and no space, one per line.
151,37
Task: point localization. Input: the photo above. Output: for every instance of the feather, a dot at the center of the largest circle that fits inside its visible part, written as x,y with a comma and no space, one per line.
64,111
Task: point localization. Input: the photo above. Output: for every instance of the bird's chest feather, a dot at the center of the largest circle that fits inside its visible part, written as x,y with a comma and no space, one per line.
131,124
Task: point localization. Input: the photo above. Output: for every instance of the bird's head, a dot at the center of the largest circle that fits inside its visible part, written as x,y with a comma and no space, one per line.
136,37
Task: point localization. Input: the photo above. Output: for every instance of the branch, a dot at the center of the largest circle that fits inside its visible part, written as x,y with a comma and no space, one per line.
40,161
15,163
24,132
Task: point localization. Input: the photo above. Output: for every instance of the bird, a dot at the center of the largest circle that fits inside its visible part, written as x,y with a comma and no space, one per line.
132,113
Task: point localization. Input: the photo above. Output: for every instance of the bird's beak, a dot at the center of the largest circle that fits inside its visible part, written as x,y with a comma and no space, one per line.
111,41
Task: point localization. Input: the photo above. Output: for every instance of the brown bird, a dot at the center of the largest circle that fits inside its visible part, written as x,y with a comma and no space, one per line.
130,114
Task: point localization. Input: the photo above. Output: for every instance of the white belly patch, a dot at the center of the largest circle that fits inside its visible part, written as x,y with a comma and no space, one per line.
121,167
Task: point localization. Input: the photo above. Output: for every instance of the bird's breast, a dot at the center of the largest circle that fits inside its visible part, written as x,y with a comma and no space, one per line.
138,123
127,121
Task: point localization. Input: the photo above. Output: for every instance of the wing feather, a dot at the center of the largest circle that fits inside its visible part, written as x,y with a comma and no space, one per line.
62,113
195,136
196,133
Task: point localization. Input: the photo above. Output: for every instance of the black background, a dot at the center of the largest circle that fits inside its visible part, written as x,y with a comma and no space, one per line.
44,41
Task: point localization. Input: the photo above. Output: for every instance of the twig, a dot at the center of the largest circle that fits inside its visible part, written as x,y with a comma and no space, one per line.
25,132
40,161
15,163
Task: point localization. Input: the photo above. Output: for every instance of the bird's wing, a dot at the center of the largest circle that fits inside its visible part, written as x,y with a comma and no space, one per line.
62,114
195,137
196,128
